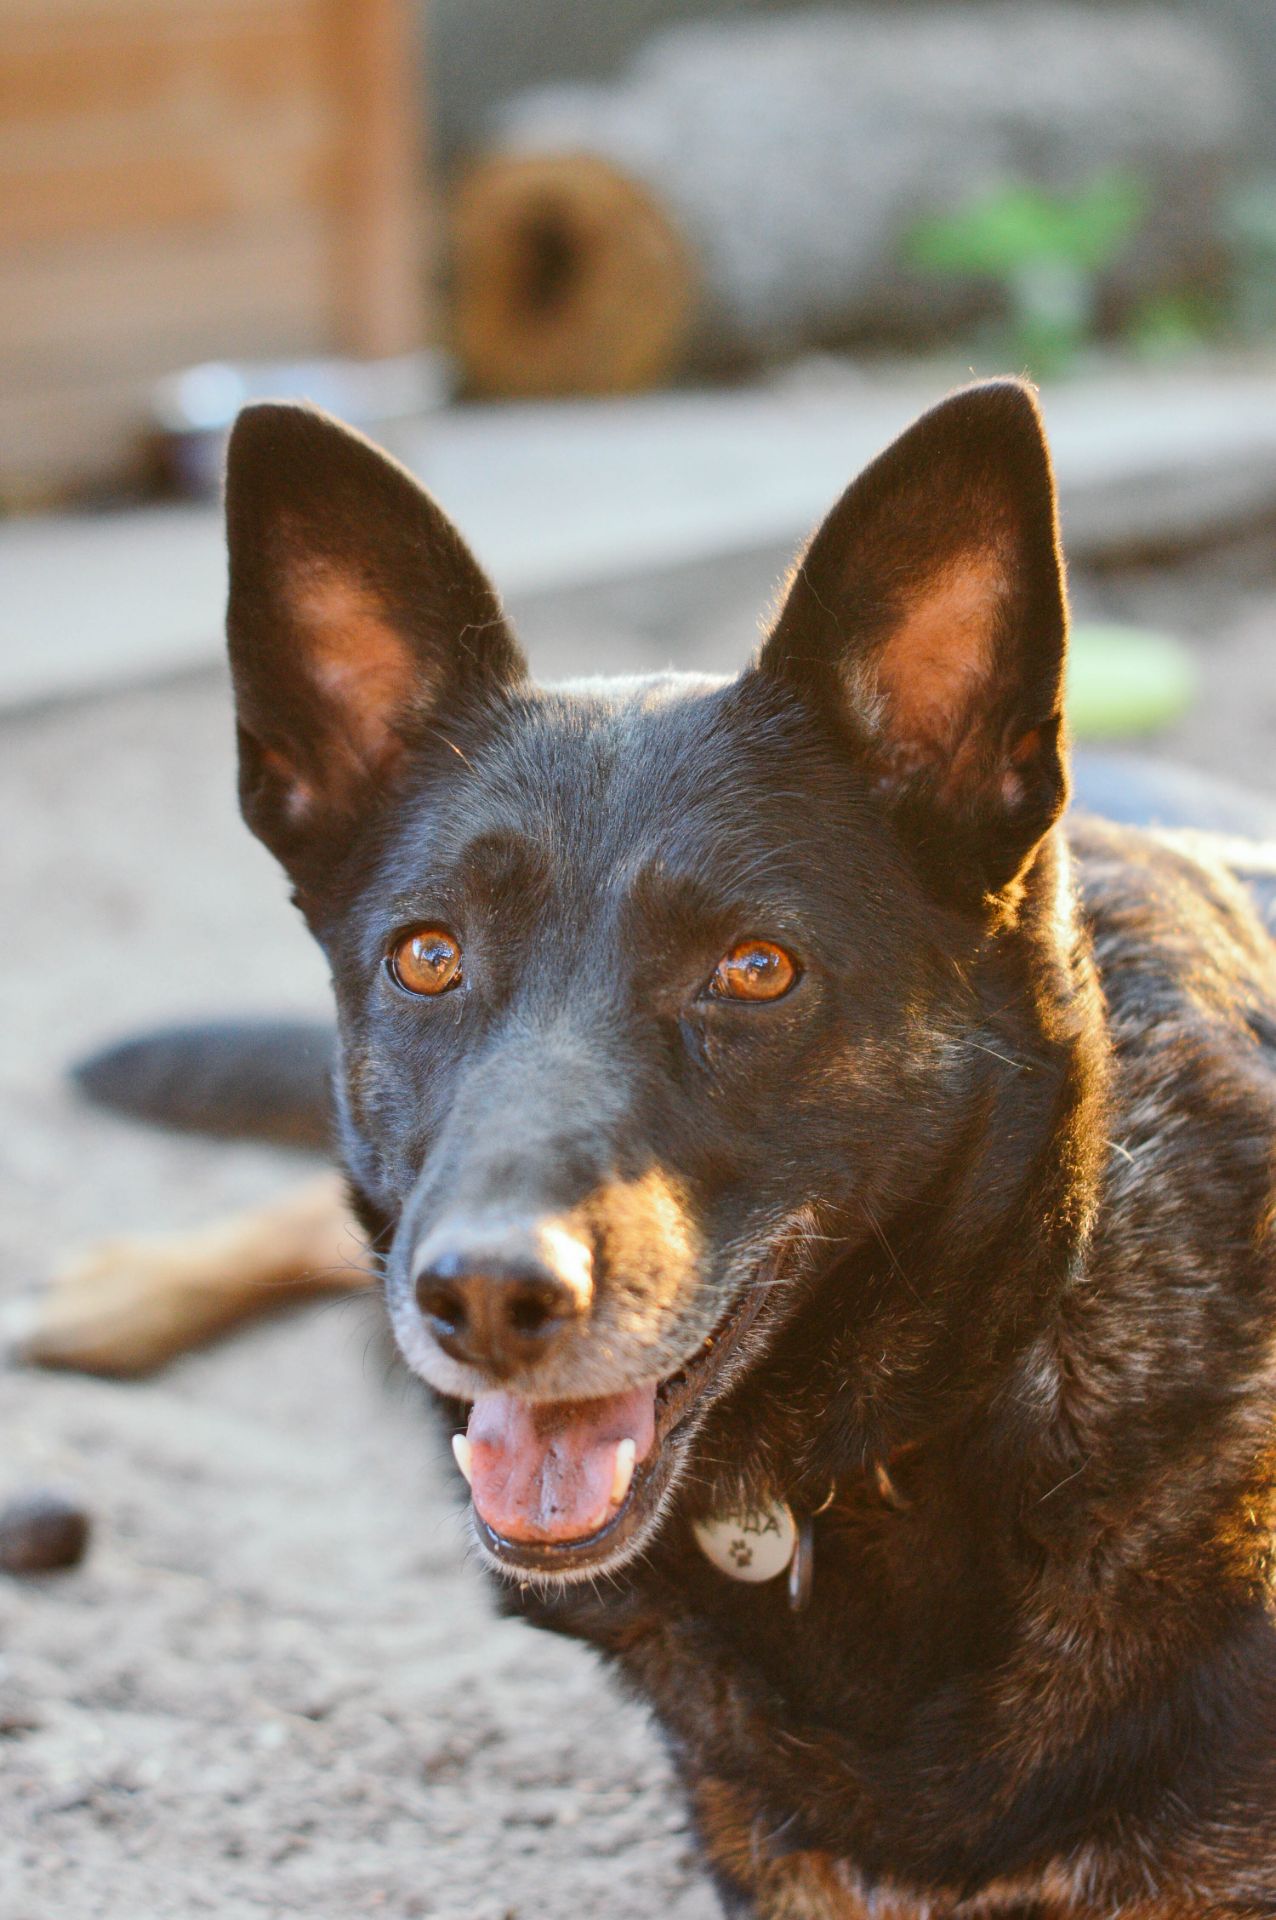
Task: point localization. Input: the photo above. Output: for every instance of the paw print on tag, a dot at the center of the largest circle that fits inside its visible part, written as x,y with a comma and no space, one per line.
753,1546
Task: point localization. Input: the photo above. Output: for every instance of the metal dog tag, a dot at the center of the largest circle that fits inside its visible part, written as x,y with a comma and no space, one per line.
749,1546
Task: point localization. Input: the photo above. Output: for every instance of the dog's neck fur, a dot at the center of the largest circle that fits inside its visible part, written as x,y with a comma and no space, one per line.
997,1236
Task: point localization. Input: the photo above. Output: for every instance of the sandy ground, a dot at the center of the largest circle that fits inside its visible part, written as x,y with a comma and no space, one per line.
276,1686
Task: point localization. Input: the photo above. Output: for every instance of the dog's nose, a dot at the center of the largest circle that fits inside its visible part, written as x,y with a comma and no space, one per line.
500,1309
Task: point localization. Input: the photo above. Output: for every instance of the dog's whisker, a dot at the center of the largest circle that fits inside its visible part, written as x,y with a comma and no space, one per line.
1018,1066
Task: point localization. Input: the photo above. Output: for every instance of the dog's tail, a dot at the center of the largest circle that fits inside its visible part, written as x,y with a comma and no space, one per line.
244,1080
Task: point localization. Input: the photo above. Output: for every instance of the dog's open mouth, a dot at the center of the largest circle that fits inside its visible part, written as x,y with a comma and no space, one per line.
560,1487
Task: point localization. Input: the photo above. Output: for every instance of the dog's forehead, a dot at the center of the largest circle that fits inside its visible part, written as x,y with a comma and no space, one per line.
686,798
611,758
690,801
603,771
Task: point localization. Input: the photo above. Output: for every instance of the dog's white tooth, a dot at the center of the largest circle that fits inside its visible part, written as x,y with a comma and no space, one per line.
461,1448
626,1455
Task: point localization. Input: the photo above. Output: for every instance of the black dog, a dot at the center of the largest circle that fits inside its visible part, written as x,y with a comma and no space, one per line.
832,1202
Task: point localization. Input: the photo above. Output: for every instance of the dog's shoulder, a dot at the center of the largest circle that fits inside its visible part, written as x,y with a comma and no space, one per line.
1188,972
1180,1297
1179,924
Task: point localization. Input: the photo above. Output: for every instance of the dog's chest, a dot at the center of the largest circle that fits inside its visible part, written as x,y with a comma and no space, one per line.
823,1718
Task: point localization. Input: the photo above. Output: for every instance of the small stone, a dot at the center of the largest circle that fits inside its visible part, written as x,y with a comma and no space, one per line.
42,1532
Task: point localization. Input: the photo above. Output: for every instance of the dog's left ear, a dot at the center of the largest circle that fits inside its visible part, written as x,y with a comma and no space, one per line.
929,615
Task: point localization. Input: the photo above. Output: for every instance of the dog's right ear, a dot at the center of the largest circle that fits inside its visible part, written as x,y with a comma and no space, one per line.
356,613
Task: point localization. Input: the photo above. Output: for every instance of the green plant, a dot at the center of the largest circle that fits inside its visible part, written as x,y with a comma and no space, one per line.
1250,229
1045,251
1169,325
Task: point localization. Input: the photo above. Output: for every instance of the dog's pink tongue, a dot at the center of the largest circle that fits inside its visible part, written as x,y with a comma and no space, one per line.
546,1472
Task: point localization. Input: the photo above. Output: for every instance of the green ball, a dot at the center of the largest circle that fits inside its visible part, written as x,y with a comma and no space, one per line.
1125,680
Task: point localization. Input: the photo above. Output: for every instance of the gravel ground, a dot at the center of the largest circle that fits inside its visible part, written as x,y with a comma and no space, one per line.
276,1686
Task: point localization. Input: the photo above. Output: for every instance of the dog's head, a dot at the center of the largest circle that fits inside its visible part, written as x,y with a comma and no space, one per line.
654,995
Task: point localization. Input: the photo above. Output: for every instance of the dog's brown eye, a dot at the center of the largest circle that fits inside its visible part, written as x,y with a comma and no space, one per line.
427,960
754,970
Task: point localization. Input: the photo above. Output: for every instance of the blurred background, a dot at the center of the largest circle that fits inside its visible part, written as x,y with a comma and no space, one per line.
635,286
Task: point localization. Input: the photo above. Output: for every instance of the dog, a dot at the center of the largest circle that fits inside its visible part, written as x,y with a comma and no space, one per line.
829,1193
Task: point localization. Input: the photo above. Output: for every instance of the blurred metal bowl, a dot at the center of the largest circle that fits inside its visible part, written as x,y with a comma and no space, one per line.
192,411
